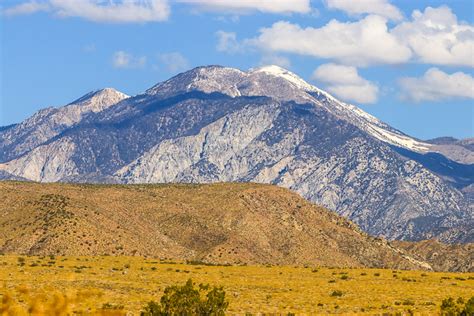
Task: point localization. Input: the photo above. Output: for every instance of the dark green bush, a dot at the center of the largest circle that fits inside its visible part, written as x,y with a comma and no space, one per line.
336,293
459,307
189,300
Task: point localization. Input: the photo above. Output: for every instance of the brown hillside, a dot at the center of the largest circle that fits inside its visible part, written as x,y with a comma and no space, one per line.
442,257
217,223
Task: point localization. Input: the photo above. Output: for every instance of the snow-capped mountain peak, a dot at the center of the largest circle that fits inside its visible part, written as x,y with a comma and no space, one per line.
283,85
350,112
280,72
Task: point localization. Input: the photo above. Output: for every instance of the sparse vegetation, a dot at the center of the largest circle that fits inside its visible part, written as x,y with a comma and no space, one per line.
101,289
60,219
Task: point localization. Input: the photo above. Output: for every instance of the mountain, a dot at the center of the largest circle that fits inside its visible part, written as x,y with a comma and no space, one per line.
214,223
267,125
16,140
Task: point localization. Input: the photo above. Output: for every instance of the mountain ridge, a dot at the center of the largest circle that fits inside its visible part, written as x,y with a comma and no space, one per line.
218,124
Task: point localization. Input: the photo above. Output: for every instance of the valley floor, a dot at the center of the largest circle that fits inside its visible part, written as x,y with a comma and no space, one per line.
130,282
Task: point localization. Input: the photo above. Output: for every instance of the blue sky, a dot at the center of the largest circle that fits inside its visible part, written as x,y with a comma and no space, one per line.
410,63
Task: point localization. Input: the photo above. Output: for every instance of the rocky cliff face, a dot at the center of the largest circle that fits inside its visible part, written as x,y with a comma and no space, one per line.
214,124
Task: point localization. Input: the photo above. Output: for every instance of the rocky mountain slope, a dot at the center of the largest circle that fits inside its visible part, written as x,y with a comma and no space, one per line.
215,223
50,122
455,149
442,257
218,124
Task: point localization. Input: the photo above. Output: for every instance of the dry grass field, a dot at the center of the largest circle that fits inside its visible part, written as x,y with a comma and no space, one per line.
110,285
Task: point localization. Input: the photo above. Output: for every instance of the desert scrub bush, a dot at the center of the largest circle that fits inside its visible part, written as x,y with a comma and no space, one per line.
336,293
109,309
459,307
189,300
21,261
408,302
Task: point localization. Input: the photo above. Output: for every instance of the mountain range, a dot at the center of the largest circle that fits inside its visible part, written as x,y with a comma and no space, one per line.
266,125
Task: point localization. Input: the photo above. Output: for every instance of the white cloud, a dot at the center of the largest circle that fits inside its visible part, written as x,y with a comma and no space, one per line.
174,62
109,11
360,43
436,85
346,83
26,8
242,6
122,59
227,42
436,37
358,7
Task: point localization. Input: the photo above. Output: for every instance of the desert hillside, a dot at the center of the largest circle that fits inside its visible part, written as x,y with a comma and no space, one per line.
442,257
216,223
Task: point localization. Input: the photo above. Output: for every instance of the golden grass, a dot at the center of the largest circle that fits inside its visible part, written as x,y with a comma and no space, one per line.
60,285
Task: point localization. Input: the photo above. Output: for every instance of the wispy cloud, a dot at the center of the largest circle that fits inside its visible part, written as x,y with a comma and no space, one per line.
227,42
142,11
380,7
243,6
118,11
26,8
122,59
436,85
174,62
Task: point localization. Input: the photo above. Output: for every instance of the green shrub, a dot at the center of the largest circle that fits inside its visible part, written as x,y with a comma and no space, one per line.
189,300
469,307
336,293
459,307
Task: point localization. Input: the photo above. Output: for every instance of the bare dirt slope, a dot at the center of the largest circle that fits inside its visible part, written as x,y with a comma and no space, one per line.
229,223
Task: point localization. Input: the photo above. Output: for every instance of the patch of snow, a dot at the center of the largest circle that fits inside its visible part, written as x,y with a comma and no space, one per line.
287,75
397,139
